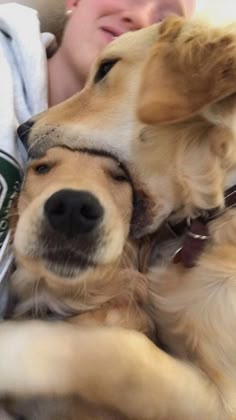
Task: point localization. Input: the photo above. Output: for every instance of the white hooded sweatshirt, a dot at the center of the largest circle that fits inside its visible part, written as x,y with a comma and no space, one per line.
23,93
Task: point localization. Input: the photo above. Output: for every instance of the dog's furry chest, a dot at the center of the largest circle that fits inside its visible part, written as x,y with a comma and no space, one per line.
195,309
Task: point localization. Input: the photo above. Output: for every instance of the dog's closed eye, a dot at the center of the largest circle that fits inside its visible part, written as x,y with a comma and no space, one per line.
119,175
118,172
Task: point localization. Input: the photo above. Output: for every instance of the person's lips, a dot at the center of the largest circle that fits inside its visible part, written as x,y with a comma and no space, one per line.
111,33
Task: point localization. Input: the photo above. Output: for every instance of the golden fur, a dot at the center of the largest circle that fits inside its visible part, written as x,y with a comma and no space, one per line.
89,278
110,285
185,148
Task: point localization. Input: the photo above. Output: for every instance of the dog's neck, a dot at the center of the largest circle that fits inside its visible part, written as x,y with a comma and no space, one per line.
38,297
184,241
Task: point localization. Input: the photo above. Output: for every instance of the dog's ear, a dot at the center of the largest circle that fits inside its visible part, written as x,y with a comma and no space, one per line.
189,67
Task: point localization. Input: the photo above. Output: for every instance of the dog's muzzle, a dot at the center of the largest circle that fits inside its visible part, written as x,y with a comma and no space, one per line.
71,232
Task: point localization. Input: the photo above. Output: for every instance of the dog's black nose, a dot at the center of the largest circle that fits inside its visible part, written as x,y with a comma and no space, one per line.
73,212
23,131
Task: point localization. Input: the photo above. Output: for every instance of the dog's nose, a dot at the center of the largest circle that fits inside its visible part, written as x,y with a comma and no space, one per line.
73,212
23,131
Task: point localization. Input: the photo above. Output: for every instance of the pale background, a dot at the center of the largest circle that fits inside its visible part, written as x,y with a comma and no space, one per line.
218,11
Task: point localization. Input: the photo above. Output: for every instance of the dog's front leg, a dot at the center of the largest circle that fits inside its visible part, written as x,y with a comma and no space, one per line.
115,367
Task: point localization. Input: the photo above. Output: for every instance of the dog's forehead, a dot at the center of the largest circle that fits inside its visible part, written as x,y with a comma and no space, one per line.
137,43
62,153
65,155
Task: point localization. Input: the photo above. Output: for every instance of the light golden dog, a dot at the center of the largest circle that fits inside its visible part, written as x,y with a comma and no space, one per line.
180,79
72,240
75,256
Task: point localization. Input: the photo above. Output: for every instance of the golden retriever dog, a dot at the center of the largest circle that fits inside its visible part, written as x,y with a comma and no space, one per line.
75,256
166,97
72,239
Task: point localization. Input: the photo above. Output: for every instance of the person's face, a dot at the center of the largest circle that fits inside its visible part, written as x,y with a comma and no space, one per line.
95,23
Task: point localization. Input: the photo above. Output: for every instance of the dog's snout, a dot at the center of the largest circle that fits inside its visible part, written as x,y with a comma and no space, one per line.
24,130
73,212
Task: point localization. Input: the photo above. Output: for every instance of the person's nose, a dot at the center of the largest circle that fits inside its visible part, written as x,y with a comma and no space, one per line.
138,17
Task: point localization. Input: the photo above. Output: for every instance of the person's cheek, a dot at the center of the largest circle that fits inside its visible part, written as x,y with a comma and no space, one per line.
188,6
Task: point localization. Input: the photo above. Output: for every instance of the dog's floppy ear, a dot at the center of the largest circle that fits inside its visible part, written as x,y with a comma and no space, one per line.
189,67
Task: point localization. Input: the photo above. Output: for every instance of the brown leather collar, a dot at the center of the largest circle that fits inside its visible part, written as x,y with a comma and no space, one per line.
196,231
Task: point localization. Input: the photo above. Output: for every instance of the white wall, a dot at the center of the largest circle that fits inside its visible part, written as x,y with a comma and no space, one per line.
217,11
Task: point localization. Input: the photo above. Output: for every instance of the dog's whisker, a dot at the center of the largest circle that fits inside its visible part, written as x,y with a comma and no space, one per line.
84,291
36,307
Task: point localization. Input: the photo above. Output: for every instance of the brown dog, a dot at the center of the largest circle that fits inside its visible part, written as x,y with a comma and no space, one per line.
183,77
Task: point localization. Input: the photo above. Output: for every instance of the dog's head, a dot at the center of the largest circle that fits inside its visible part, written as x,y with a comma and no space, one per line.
187,99
103,114
75,213
164,97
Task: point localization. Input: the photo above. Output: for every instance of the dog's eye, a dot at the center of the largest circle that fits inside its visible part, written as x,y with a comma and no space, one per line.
42,169
119,176
104,69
